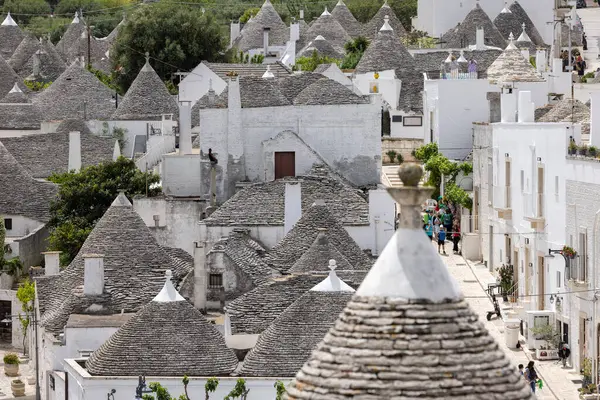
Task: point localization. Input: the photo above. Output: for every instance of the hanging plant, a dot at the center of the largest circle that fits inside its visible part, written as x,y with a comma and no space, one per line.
568,252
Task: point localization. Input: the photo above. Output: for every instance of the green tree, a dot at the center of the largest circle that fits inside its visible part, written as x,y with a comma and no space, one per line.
185,38
44,26
70,6
210,386
26,296
279,389
23,10
85,196
354,52
309,64
251,12
239,391
13,265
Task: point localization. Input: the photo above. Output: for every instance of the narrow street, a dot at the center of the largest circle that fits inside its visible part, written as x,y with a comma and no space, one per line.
473,279
590,18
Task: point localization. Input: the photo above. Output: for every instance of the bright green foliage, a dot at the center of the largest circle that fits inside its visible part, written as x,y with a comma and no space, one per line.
241,58
26,296
70,6
44,26
437,165
185,38
309,64
280,390
251,12
108,80
13,265
85,196
354,51
210,386
239,391
419,39
36,86
23,10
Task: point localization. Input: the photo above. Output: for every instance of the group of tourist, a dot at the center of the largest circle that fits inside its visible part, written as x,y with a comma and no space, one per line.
440,225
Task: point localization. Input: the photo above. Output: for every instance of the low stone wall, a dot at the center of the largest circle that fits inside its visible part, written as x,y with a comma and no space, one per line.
400,146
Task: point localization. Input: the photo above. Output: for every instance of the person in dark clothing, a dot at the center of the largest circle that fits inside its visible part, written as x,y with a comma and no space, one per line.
212,158
441,240
584,42
455,238
531,376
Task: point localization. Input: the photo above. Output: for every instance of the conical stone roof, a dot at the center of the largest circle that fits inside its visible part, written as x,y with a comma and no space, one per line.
10,37
251,35
51,64
507,23
17,112
8,78
344,16
27,48
386,52
326,91
523,17
288,342
371,29
318,255
146,99
15,96
292,85
73,125
511,66
70,39
322,47
81,95
180,342
329,28
407,332
565,110
466,33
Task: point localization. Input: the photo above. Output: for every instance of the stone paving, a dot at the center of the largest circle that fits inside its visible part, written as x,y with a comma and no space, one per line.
473,279
26,374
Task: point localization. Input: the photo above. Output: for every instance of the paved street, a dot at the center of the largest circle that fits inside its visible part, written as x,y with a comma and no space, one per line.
24,371
590,18
473,278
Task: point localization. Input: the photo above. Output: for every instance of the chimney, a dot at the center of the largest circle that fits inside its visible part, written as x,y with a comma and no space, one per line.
211,94
495,109
200,284
74,151
525,53
93,274
595,118
480,39
116,151
526,107
37,63
234,100
557,66
185,127
301,14
266,41
540,61
508,105
52,262
156,219
294,31
234,32
293,205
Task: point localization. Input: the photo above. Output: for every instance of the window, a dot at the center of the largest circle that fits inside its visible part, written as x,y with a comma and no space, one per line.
556,185
413,121
396,118
522,181
8,223
582,273
507,194
215,280
558,279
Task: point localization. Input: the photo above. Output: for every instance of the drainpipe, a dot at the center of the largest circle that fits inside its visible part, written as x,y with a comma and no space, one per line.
594,330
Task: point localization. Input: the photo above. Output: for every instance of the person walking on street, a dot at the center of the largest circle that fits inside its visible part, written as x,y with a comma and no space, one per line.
455,238
442,240
531,376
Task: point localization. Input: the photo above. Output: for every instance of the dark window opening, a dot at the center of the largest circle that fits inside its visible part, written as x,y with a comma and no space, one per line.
215,280
397,118
8,223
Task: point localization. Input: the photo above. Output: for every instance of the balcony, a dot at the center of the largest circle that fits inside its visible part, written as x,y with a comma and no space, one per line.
534,205
503,201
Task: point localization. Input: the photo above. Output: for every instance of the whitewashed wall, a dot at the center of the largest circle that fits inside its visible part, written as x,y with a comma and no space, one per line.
6,133
21,226
197,83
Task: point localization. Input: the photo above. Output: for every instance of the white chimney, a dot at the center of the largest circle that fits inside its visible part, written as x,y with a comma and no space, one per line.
294,31
200,284
116,151
293,205
557,66
234,32
301,14
185,127
36,63
74,151
595,119
525,53
93,274
540,61
266,41
526,107
480,39
508,105
52,262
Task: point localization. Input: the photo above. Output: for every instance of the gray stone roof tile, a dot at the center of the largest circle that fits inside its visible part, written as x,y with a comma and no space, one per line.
51,64
507,23
431,61
372,28
222,69
329,28
288,342
164,339
465,33
8,78
10,37
523,17
27,48
304,233
344,16
17,111
134,269
258,92
292,85
318,255
47,153
323,48
254,311
80,93
263,203
71,37
146,99
251,35
511,66
565,109
74,125
326,91
21,194
386,52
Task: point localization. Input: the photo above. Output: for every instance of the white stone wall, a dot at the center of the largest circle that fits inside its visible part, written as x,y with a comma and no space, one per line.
305,157
85,339
197,83
21,226
181,175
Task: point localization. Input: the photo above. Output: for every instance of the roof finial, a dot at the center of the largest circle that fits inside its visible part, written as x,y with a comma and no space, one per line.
76,19
326,12
511,42
462,58
147,55
168,292
523,37
450,57
340,3
410,196
15,89
268,74
9,21
332,283
386,24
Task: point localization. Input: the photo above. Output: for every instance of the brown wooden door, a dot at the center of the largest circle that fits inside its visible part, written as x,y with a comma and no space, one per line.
285,164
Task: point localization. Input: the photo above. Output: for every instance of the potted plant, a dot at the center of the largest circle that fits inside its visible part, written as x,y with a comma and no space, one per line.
593,151
569,252
18,387
505,272
11,364
583,150
392,155
572,148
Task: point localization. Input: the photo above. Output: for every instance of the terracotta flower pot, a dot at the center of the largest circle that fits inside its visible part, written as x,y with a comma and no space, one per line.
18,388
11,369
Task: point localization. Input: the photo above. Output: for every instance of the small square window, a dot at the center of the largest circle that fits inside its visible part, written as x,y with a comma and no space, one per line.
396,118
8,223
215,280
413,121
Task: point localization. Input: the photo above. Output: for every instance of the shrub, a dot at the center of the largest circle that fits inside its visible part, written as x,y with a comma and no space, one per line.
572,148
399,158
583,150
593,151
11,359
392,155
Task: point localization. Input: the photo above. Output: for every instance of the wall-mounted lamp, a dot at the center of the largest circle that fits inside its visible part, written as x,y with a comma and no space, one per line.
530,265
506,155
111,395
539,159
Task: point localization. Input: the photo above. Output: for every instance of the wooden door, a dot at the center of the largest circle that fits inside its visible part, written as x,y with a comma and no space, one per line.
285,164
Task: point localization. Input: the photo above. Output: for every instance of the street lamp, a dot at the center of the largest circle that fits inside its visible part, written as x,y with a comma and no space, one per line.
141,388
